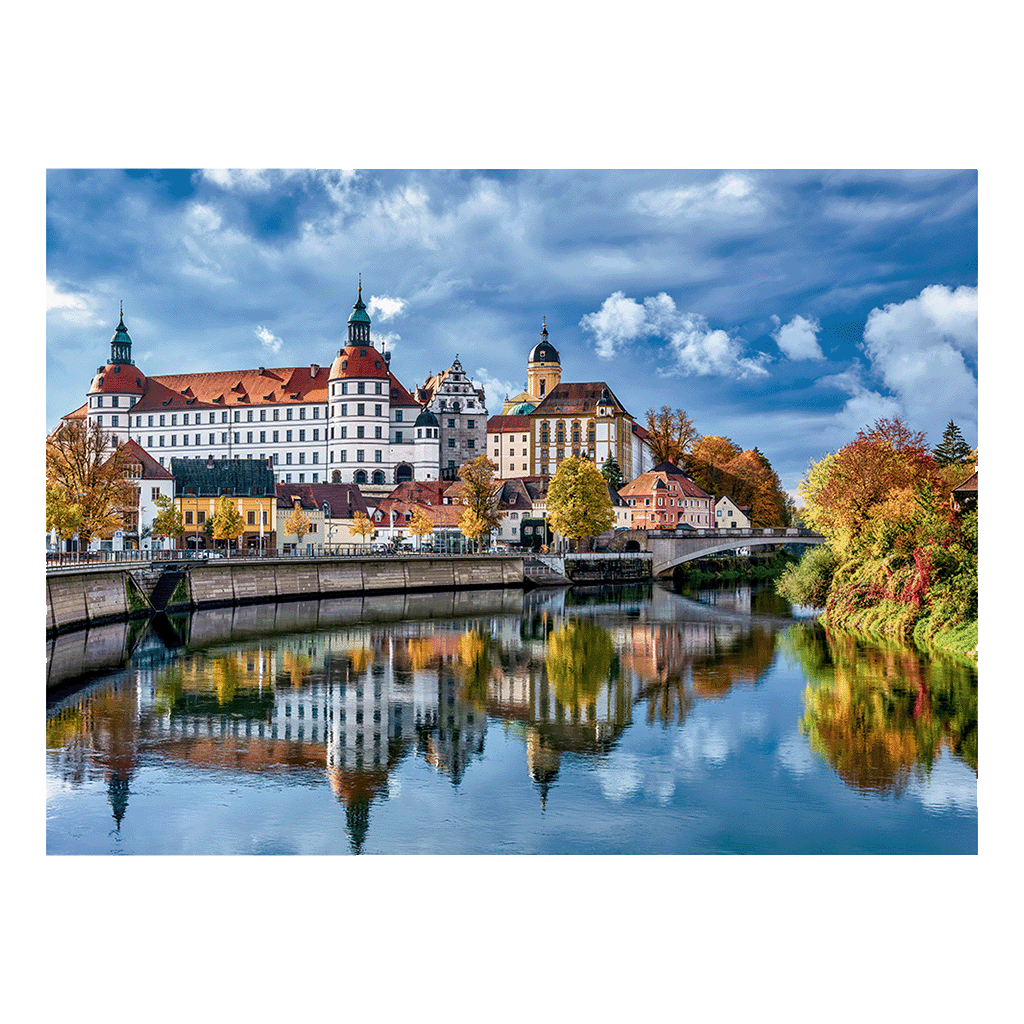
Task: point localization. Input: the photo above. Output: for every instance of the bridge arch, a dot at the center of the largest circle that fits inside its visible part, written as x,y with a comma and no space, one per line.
669,552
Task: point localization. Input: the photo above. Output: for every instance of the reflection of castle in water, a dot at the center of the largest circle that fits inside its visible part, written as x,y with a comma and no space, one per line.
349,703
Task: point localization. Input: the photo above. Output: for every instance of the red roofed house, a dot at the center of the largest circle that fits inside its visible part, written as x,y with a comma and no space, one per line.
666,498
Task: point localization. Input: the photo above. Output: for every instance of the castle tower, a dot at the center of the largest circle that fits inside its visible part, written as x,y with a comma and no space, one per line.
116,387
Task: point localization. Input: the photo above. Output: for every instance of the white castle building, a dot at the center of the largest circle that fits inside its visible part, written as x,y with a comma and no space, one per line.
351,422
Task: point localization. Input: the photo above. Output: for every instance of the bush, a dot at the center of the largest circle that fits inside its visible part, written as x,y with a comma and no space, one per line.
809,580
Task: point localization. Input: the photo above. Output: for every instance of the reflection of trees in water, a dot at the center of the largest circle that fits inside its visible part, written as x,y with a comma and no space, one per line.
880,715
677,665
579,662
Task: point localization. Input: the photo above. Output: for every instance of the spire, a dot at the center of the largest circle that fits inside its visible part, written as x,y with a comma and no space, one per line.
359,321
544,327
121,342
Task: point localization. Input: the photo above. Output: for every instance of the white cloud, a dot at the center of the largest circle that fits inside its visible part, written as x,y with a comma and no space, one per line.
386,340
918,348
248,179
799,338
384,308
864,406
495,391
269,340
731,195
617,321
696,347
203,218
75,309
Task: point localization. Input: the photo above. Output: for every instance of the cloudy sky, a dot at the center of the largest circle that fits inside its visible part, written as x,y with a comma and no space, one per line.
784,309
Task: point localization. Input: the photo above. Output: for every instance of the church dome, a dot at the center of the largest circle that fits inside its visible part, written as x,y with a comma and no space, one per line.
426,419
522,409
544,352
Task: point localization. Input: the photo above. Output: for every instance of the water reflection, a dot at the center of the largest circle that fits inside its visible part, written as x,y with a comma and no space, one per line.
344,691
880,716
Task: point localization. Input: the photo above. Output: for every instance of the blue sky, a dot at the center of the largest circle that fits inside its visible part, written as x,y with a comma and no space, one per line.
784,309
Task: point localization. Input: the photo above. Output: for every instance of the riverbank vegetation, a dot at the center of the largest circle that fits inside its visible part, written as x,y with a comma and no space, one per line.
900,564
736,567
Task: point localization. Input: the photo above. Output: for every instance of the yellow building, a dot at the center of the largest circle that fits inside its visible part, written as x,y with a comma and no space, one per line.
249,483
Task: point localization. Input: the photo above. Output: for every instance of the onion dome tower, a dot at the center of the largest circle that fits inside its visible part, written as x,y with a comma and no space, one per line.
117,386
543,368
427,446
359,402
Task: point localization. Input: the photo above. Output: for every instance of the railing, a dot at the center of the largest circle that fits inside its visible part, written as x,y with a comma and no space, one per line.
68,559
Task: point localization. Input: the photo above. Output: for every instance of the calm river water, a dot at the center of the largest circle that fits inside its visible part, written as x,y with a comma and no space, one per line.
616,720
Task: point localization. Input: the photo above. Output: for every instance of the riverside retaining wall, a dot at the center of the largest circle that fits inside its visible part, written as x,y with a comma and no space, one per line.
76,598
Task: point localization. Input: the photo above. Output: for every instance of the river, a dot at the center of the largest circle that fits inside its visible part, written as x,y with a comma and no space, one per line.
633,720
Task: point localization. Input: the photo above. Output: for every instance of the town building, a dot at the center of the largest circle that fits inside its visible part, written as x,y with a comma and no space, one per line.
460,409
350,422
292,498
730,516
199,487
665,498
508,444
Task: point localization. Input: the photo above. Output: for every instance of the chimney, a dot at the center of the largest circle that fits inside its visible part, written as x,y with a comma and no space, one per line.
209,462
313,369
261,371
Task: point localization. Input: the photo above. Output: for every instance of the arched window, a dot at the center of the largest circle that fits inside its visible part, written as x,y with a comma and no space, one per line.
361,476
378,477
403,473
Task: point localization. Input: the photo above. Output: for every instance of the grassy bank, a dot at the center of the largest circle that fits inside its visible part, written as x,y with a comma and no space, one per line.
750,567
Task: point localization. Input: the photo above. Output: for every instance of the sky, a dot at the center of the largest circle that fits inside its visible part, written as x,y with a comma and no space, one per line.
783,309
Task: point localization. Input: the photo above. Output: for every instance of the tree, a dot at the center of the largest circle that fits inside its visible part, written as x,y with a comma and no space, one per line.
63,516
480,497
953,449
578,501
420,526
869,487
227,522
168,520
361,526
297,525
612,473
671,435
708,460
91,475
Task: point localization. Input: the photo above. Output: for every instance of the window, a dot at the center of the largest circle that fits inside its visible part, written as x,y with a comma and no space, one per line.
451,442
376,432
378,456
344,408
288,433
360,431
250,519
398,437
470,424
360,455
361,388
188,518
344,431
398,415
288,414
360,409
377,410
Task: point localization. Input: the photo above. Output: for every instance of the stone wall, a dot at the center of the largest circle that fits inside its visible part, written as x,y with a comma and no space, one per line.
79,598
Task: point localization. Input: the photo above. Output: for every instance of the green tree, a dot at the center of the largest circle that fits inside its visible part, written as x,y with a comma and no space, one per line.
612,473
168,519
578,501
953,449
671,435
227,522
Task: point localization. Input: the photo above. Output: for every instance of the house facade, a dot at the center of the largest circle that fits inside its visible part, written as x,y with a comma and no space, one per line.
665,498
730,516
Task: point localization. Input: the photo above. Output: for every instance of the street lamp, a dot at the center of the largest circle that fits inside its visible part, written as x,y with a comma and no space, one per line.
329,526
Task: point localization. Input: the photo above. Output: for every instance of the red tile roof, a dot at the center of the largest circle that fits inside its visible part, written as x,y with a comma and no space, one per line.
151,469
567,399
508,424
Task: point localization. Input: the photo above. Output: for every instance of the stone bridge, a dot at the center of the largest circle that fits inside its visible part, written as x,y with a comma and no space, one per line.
669,549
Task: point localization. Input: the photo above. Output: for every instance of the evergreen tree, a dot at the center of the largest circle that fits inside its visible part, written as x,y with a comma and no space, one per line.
612,473
953,449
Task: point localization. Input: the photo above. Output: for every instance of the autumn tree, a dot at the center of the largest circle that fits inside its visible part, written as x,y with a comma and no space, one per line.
361,526
480,497
953,450
872,485
297,525
227,522
92,474
578,502
671,435
63,516
420,526
168,521
707,463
